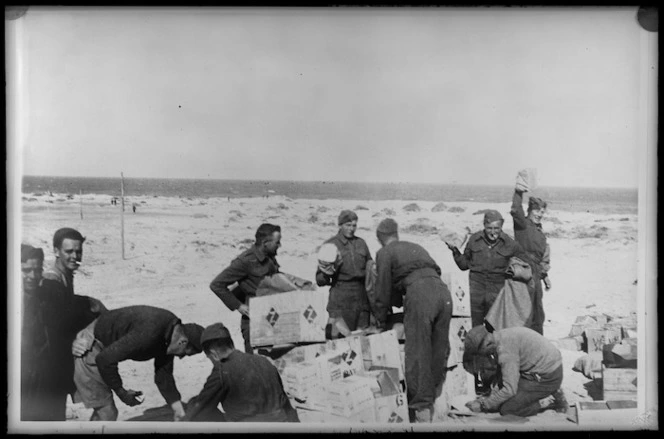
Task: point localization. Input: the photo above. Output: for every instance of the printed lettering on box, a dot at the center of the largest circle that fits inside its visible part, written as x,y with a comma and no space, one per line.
272,317
348,357
310,314
462,333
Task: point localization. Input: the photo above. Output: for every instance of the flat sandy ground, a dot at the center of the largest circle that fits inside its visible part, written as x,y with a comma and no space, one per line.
174,247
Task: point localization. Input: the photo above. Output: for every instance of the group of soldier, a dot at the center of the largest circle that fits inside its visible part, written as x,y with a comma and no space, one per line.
72,344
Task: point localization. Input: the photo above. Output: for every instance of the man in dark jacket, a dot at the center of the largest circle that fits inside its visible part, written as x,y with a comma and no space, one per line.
487,256
248,269
406,270
528,233
248,387
348,295
52,315
138,333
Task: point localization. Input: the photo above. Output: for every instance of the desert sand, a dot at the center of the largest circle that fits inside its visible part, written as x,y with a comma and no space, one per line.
175,246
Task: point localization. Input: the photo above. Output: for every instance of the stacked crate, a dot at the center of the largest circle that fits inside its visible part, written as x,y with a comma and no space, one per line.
457,380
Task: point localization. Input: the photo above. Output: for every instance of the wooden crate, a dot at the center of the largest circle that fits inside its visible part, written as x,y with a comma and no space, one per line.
458,286
292,317
382,350
596,338
619,383
606,414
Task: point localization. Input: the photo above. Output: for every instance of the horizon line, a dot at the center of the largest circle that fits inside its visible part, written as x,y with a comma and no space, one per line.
332,181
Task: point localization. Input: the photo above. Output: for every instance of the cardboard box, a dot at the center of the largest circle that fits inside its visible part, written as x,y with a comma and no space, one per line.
295,316
302,379
457,382
294,355
459,327
606,414
382,350
460,291
595,339
570,343
391,406
344,361
352,395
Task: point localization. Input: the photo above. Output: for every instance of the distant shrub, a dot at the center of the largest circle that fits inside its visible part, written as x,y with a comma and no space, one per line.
360,207
421,228
389,212
329,224
236,213
200,215
60,199
37,194
552,220
412,207
456,209
440,207
482,211
322,209
313,218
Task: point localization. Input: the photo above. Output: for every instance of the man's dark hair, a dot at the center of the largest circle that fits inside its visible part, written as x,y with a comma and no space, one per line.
265,231
66,233
30,252
535,203
221,344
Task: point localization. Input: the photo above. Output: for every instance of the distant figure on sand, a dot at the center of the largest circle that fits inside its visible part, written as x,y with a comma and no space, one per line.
528,232
133,207
248,269
248,387
138,333
348,296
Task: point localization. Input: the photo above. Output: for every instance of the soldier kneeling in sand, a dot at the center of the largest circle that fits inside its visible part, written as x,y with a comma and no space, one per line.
138,333
530,366
248,386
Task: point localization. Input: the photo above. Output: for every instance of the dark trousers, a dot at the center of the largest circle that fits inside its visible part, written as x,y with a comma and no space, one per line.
349,301
530,391
427,315
244,327
483,292
536,320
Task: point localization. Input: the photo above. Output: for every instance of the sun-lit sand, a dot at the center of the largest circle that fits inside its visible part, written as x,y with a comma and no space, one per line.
174,247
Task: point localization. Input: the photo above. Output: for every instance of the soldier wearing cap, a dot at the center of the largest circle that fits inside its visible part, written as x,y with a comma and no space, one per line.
487,256
406,272
348,295
138,333
248,387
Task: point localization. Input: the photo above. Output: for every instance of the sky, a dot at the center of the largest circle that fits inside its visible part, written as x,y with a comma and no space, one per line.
432,95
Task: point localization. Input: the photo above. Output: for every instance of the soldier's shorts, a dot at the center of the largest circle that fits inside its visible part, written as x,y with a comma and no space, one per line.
91,389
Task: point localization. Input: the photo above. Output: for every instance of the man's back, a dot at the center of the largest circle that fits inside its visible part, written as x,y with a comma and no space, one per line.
252,387
534,353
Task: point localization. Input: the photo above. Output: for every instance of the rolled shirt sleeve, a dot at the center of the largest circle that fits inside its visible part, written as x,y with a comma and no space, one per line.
236,272
510,369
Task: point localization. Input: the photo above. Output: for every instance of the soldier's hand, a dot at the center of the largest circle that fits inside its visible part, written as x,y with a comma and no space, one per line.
547,283
82,343
474,406
243,309
326,268
178,411
130,397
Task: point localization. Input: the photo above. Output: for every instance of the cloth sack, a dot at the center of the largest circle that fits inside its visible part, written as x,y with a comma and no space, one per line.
282,283
513,306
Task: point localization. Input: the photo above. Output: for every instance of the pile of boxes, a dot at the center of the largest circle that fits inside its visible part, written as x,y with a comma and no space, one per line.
590,333
354,379
359,378
457,380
